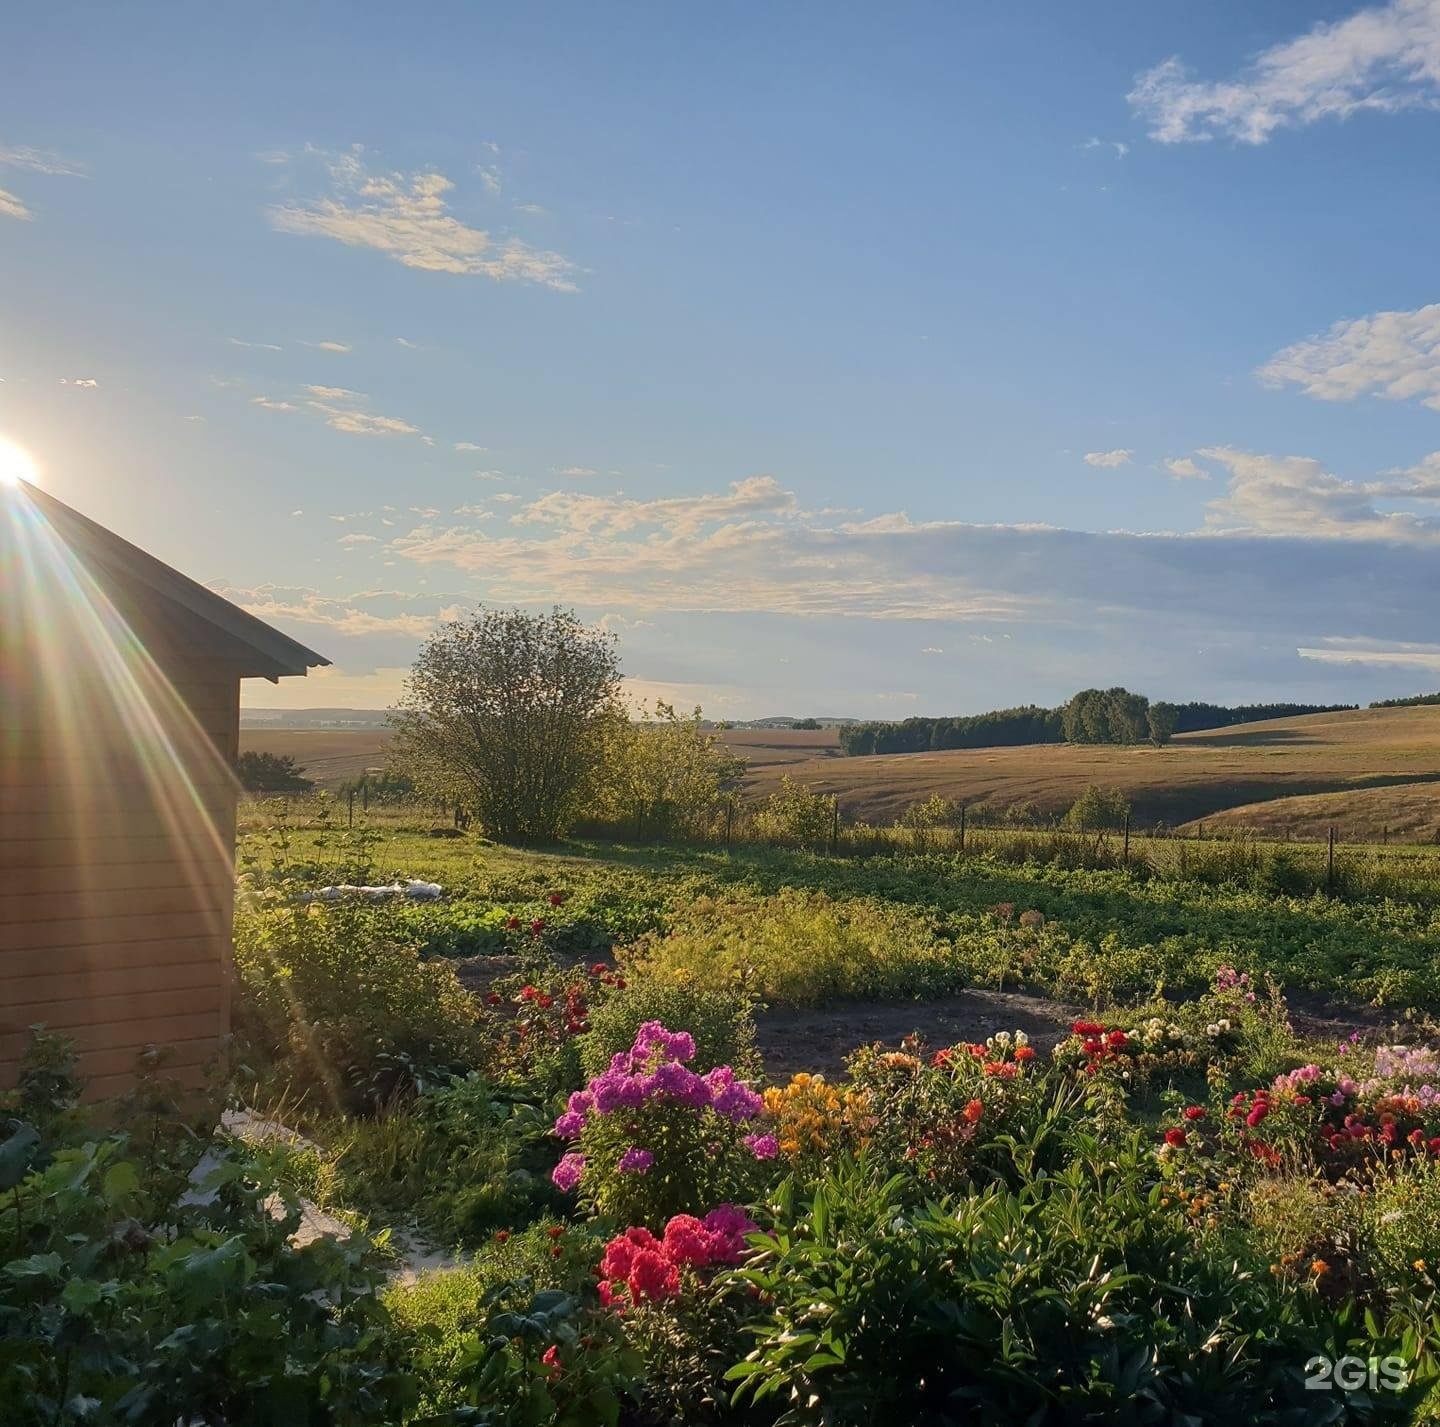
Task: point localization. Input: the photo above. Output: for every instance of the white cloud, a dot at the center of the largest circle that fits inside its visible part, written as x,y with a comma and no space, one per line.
12,206
407,344
1108,459
531,208
39,161
1385,59
358,539
1184,469
366,612
406,217
258,346
1119,149
334,393
364,423
1395,355
468,446
270,404
329,346
1374,653
576,471
1296,495
87,383
932,649
490,177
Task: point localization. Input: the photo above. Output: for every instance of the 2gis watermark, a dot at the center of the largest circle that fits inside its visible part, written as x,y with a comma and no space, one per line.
1351,1374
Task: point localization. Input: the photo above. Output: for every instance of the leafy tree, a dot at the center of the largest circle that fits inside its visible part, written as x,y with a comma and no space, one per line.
1098,808
271,773
508,712
795,814
670,765
1161,719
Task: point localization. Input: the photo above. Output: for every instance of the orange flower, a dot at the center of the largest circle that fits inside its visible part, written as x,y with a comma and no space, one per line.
974,1110
1024,1052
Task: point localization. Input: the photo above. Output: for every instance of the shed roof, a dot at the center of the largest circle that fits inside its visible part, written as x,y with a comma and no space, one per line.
256,648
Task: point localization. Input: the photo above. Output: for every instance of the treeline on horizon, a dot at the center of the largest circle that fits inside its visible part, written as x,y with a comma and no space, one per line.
1115,716
1414,701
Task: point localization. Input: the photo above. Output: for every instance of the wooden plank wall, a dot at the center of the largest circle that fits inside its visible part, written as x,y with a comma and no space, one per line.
117,819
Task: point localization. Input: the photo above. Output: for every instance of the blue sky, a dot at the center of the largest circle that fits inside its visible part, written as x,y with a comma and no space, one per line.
842,359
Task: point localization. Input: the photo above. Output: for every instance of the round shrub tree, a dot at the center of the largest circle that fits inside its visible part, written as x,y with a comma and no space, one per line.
507,712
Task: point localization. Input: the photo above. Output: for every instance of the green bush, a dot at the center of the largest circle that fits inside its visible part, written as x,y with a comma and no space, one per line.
796,948
147,1276
1078,1297
336,1007
721,1020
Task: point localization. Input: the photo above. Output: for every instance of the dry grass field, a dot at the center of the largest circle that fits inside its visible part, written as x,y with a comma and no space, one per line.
1392,754
334,756
1363,770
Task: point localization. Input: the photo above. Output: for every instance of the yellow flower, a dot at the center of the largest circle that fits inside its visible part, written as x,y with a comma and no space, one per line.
1419,1265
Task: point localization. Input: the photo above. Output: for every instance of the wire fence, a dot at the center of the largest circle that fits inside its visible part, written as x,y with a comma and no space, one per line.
1329,863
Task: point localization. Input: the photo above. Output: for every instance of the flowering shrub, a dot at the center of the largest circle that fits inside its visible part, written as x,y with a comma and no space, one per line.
537,1021
656,1138
638,1267
814,1119
947,1115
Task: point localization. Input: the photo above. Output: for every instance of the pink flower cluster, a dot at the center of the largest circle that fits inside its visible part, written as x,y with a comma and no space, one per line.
637,1266
654,1068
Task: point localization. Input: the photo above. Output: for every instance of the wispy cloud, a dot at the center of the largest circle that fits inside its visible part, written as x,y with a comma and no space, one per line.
39,161
468,446
329,346
407,217
372,612
1115,146
1395,355
258,346
1374,653
1184,469
1108,460
343,410
11,206
357,539
1384,59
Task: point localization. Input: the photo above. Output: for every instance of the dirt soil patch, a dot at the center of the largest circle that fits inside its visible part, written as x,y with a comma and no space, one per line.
819,1038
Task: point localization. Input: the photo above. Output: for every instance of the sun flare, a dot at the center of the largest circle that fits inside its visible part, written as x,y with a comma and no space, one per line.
16,465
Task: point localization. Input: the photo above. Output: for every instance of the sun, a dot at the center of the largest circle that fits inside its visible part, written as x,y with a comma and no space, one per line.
16,465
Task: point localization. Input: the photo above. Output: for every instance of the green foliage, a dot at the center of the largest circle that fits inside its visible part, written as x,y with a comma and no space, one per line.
1098,808
720,1019
795,816
331,1001
508,712
1105,716
147,1277
1078,1296
1161,720
797,948
271,773
669,770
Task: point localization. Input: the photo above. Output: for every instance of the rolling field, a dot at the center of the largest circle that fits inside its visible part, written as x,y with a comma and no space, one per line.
1362,770
1391,754
334,756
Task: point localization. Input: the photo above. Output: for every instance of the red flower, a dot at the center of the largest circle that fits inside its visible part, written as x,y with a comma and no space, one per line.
1024,1052
1117,1038
1434,1145
619,983
941,1057
493,999
512,924
1257,1114
551,1359
653,1276
598,969
556,898
537,926
1175,1138
501,1235
545,1001
974,1110
528,993
1194,1112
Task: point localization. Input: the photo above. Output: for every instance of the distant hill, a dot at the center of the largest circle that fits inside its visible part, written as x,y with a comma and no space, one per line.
314,718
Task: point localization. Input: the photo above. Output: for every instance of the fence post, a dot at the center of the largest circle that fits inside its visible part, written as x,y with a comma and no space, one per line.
352,807
1127,840
729,815
365,795
1330,860
1385,836
834,823
962,827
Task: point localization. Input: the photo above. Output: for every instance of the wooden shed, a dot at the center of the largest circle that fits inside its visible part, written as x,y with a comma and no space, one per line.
119,722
